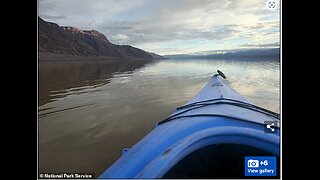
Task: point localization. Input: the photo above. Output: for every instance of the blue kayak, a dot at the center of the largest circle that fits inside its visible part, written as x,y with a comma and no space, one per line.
207,137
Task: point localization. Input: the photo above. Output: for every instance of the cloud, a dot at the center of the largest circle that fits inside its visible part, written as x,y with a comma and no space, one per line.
144,22
121,38
268,45
53,17
84,13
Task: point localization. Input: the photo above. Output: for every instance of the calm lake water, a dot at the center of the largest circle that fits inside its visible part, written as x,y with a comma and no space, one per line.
89,111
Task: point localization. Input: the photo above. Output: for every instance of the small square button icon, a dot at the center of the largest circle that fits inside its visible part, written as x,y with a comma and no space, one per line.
271,127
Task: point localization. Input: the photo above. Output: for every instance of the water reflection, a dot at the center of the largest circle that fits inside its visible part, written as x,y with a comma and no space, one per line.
90,111
58,79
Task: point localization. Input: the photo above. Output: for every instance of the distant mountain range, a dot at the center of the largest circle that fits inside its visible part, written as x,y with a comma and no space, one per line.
258,54
71,41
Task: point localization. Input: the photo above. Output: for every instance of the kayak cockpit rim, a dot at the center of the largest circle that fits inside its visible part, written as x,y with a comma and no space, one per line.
160,165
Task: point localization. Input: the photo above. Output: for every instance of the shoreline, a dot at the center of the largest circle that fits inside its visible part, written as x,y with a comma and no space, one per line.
64,57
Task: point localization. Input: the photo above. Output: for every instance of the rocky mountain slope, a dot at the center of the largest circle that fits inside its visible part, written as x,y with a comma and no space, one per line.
55,39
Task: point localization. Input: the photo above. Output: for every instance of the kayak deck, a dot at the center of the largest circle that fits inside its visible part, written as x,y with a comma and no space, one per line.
218,99
216,115
216,89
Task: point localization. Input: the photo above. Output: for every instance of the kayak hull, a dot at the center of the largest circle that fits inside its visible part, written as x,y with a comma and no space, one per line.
216,115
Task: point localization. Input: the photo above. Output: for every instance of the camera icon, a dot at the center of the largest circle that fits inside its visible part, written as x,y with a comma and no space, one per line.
253,163
271,4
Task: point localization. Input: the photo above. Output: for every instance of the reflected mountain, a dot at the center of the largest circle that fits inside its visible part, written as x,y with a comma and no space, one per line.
56,78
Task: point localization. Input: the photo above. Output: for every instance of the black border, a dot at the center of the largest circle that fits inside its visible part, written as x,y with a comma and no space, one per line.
21,31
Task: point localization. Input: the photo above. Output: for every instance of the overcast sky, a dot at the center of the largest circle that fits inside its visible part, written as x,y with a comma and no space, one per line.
171,26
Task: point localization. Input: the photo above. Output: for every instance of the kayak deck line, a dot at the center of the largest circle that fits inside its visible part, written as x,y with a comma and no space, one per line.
244,105
216,88
210,100
209,115
198,105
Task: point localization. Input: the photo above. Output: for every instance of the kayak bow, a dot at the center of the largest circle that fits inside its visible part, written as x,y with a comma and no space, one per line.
217,124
